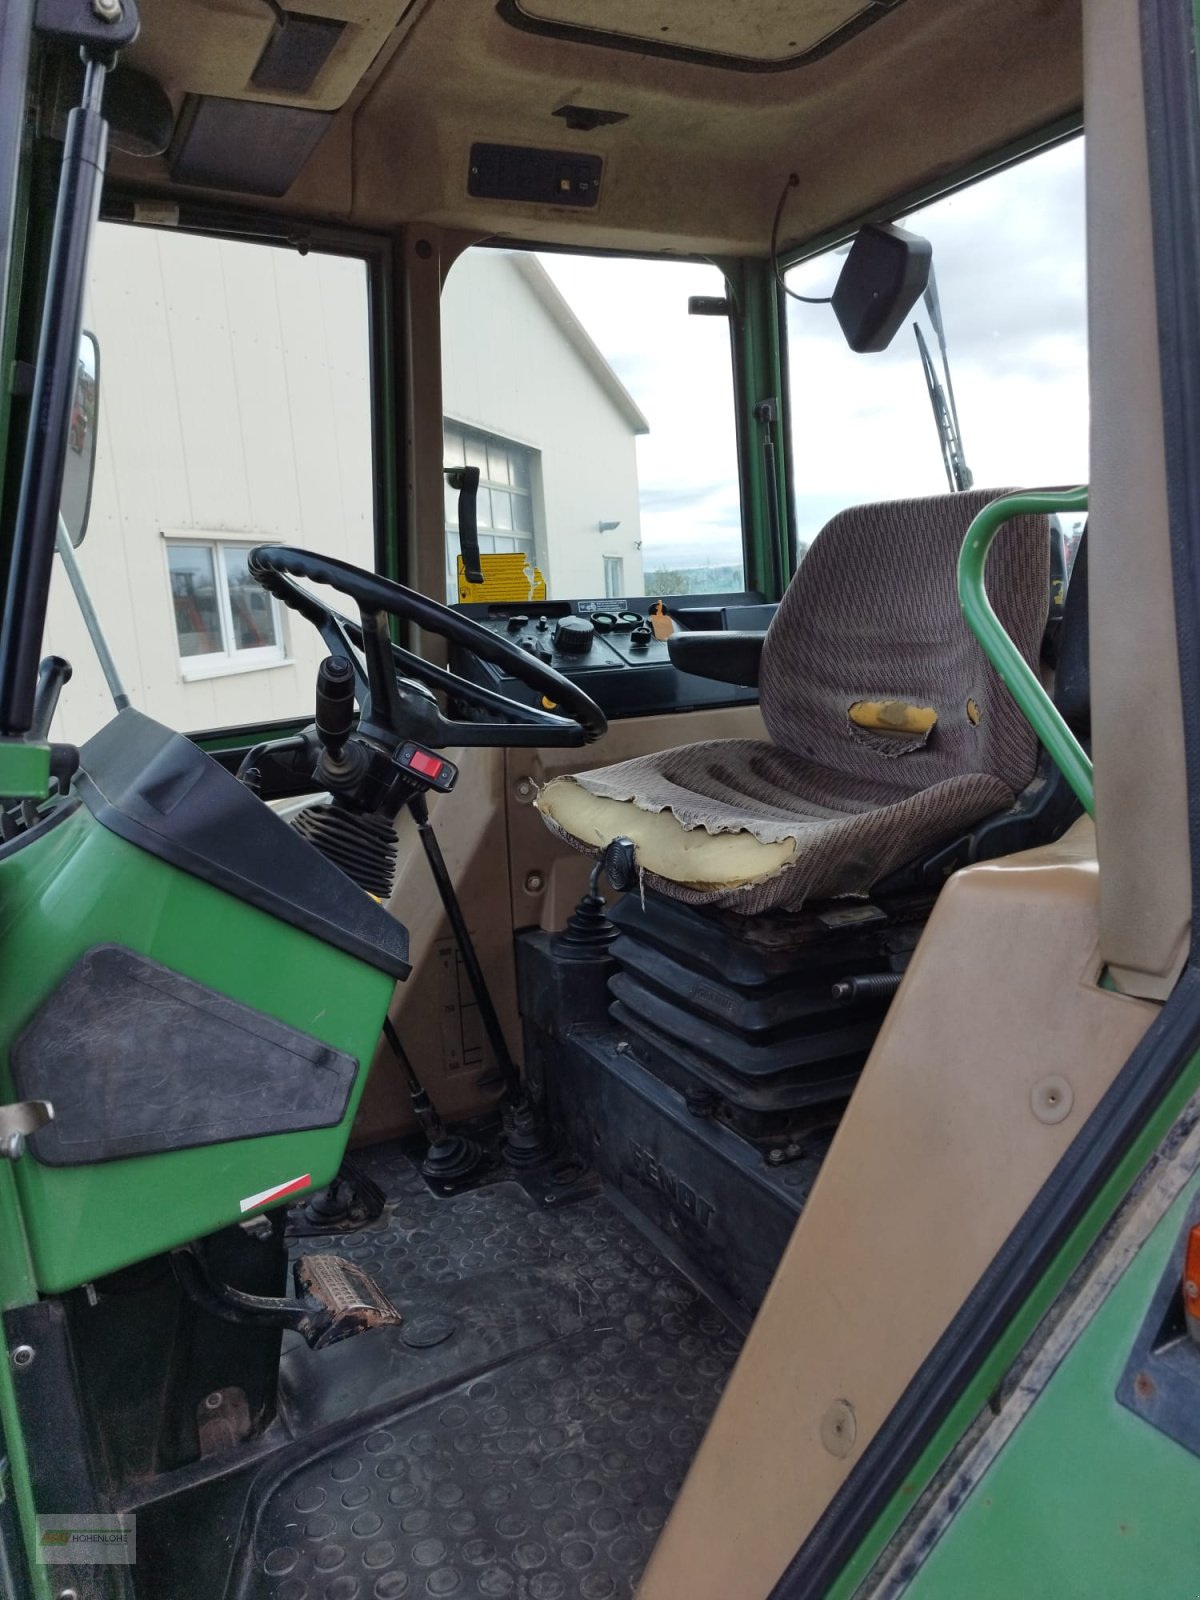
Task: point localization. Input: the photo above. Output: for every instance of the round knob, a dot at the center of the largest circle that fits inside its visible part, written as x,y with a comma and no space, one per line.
573,636
515,624
641,636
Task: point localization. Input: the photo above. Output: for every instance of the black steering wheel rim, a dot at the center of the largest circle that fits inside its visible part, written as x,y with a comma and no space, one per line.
576,718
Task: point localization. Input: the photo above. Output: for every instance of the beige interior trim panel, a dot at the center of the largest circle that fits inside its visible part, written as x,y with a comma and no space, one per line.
1137,717
510,872
999,1044
193,47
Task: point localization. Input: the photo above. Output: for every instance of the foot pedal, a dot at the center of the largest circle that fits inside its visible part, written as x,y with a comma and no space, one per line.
339,1300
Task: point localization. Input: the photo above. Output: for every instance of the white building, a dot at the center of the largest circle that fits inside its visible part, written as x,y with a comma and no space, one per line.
517,364
235,411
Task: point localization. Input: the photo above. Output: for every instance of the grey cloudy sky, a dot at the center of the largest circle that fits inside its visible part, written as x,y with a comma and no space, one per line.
1009,258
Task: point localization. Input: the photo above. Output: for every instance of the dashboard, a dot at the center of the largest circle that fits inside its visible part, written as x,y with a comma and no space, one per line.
611,647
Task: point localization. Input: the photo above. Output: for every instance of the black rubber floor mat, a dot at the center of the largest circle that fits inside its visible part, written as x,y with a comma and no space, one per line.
545,1437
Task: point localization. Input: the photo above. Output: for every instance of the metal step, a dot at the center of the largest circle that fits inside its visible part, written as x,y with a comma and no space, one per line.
340,1299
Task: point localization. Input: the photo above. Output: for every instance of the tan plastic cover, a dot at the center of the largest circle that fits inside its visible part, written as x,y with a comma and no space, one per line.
1137,720
997,1047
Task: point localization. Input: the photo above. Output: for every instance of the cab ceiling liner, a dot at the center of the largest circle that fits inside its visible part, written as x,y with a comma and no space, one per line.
742,36
310,53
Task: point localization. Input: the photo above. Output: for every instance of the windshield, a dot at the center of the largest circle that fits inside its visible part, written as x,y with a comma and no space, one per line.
600,416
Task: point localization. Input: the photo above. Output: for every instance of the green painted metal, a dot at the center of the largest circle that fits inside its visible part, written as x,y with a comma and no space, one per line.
17,1277
758,375
1023,684
390,545
24,769
80,885
1085,1498
11,292
215,741
991,1373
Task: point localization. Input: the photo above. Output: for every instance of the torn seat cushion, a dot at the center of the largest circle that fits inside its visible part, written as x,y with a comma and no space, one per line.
890,730
710,843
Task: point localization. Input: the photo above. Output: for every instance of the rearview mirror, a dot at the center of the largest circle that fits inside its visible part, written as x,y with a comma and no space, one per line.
882,279
80,465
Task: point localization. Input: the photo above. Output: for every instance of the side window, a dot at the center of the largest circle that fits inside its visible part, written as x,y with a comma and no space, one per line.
1009,268
234,410
600,415
224,620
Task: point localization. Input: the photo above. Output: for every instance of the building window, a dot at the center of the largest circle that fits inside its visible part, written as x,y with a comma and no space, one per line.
224,620
614,577
504,509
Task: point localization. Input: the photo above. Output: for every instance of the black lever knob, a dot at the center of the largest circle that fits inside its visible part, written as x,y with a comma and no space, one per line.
53,675
335,703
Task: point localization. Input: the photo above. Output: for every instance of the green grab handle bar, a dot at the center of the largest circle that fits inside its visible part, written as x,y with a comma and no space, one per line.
1021,680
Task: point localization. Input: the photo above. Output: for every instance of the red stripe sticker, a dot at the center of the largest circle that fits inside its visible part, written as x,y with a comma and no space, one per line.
277,1192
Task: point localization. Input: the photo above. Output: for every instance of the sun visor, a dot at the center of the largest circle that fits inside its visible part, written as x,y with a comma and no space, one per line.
245,145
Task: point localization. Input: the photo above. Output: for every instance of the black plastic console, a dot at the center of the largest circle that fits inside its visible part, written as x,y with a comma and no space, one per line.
610,648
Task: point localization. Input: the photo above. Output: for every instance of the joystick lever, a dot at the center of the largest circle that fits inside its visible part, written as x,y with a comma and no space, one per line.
335,704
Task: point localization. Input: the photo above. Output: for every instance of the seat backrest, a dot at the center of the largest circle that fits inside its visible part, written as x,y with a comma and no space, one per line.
873,615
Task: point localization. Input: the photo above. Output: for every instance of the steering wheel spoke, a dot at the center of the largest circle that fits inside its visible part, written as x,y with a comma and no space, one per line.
385,702
337,632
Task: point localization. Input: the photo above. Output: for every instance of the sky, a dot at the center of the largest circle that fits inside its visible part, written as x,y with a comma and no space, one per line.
1009,258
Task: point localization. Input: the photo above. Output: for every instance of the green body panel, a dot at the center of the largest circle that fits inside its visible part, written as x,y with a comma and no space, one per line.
991,1374
80,886
1086,1499
1022,682
24,769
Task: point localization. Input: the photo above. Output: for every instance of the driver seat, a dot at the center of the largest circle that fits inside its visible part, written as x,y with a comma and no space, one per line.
890,731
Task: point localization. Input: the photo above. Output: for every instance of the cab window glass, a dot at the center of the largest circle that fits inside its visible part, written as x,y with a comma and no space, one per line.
234,410
600,416
1009,262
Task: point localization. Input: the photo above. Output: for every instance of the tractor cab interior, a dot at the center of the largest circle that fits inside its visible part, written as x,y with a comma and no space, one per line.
553,922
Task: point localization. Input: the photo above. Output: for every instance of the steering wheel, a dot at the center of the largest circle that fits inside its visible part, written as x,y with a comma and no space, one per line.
394,687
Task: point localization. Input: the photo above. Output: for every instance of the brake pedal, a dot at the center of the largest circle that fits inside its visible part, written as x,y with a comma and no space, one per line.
340,1300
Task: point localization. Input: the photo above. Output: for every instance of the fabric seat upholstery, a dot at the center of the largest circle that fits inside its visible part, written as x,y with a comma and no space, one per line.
872,615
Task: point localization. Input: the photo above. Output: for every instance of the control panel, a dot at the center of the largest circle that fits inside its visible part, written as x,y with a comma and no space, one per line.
613,648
